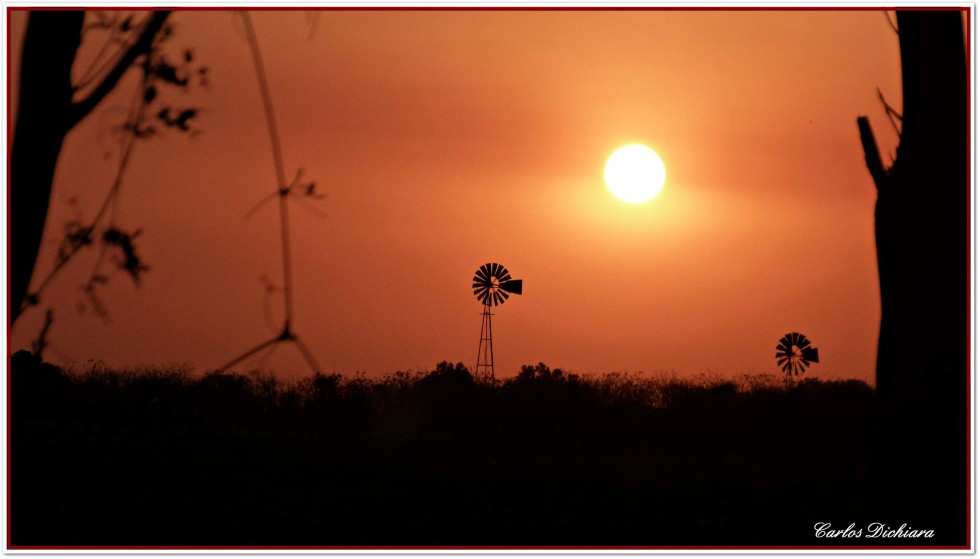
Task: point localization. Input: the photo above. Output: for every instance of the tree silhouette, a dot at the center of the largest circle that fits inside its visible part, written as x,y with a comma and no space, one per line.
921,236
51,105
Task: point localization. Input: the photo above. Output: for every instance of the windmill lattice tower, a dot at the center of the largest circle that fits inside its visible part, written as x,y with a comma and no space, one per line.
492,285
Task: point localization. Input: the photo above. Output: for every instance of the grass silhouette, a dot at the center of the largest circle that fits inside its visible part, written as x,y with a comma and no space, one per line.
547,458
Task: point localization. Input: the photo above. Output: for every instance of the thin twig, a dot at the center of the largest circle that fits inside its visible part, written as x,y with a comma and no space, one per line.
129,140
283,191
90,74
890,23
38,346
310,208
892,113
258,206
112,200
277,159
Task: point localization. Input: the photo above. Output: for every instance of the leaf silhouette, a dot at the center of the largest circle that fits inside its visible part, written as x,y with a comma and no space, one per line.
129,262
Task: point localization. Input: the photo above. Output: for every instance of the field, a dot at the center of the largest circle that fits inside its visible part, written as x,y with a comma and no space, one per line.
547,458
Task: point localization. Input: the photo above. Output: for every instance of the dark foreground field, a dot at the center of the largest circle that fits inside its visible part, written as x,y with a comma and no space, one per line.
546,459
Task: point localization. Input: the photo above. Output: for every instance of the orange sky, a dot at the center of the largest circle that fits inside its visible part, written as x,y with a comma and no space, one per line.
447,139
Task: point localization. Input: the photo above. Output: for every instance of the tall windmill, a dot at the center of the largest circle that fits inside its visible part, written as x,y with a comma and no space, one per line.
492,285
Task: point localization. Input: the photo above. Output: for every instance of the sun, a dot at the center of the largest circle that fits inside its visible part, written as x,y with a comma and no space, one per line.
635,173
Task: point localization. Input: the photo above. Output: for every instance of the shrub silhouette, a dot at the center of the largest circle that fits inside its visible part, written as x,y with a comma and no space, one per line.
433,457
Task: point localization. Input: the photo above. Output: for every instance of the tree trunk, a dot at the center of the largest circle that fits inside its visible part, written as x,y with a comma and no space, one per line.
47,112
43,120
921,233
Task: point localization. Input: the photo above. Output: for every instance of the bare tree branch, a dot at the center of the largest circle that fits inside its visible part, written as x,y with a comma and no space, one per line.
891,23
892,113
142,45
871,155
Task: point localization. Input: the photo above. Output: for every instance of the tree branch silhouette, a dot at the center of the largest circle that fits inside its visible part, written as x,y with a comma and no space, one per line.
142,45
872,156
48,111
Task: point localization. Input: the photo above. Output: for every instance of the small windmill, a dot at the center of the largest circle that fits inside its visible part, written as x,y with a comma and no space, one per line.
794,354
492,285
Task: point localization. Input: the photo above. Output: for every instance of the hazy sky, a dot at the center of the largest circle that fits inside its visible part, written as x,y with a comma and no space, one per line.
447,139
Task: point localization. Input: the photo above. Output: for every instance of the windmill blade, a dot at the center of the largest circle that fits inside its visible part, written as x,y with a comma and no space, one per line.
513,286
503,296
796,338
493,269
481,274
802,342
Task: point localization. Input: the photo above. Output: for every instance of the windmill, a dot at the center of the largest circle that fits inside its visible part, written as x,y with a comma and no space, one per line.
492,285
794,354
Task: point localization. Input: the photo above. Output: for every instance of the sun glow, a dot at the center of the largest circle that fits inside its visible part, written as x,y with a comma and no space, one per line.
635,173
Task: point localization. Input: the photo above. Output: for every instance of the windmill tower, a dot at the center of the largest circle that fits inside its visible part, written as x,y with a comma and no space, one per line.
492,285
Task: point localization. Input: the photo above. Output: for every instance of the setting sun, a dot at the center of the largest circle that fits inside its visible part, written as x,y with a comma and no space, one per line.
635,173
